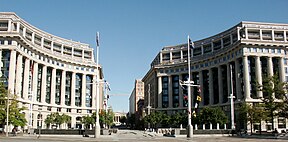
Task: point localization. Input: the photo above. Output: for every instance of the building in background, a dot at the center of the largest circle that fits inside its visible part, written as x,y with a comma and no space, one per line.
253,49
117,118
51,73
136,95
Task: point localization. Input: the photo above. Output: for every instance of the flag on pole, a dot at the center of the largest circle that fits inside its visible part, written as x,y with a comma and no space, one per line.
97,38
191,43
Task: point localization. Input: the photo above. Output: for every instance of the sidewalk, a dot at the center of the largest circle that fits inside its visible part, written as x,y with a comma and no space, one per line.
282,137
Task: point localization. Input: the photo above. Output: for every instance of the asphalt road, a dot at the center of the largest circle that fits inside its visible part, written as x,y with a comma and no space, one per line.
133,136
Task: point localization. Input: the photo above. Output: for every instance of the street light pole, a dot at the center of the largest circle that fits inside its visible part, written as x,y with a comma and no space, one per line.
97,124
190,127
40,123
189,84
232,100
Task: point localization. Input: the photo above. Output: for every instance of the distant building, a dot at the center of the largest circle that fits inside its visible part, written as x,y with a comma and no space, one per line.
141,109
117,117
51,73
136,95
253,49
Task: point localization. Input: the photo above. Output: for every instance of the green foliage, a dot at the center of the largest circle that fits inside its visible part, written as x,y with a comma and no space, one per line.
252,113
274,100
87,121
57,119
16,117
104,118
160,119
212,115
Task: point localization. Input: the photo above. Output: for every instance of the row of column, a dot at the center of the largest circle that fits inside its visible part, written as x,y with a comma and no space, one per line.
236,77
261,34
16,76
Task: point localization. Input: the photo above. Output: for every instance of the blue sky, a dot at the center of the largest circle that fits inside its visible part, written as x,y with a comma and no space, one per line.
132,32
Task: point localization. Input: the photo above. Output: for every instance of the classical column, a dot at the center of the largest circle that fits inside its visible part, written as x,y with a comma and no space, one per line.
211,86
246,33
43,84
34,118
258,75
42,42
83,94
220,84
201,84
9,25
270,66
180,92
12,68
285,40
73,89
246,78
159,91
63,87
35,81
171,56
273,37
238,79
94,92
19,76
53,86
238,33
24,32
160,57
26,79
282,69
33,37
228,73
261,37
202,50
170,91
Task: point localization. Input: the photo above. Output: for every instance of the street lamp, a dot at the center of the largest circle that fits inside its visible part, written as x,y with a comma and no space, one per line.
40,123
97,124
107,88
189,84
232,100
30,97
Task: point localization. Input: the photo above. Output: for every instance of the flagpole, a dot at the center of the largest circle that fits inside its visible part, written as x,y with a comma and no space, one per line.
189,127
97,124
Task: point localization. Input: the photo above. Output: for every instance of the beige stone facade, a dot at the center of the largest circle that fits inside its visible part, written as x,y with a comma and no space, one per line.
51,73
136,95
252,49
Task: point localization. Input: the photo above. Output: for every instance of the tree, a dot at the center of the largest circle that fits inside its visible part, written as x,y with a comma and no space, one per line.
16,117
252,113
273,90
213,116
57,119
87,121
105,118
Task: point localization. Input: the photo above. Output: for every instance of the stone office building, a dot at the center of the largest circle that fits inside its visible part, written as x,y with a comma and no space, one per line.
252,49
51,73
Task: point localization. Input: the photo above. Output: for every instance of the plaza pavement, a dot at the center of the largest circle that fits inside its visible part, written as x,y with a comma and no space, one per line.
135,136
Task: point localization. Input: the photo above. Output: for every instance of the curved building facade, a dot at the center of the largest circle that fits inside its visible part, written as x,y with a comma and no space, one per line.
46,72
252,49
